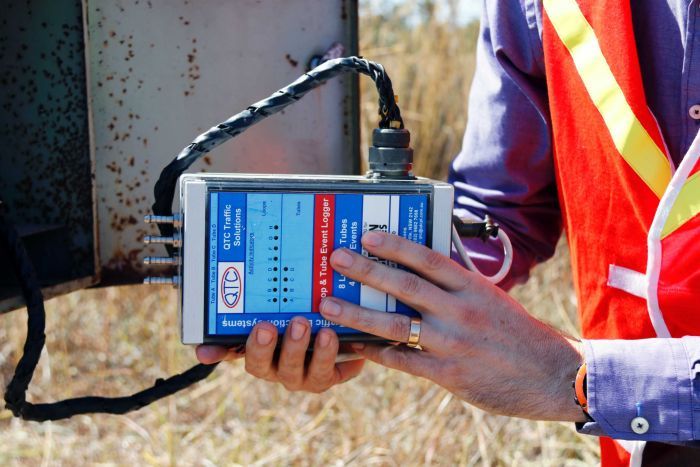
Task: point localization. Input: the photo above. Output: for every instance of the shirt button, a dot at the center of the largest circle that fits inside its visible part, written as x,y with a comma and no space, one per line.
694,112
640,425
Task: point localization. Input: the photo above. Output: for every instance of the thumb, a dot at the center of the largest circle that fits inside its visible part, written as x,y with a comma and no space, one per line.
398,357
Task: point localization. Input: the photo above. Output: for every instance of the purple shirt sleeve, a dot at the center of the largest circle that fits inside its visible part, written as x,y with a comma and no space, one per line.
662,376
505,169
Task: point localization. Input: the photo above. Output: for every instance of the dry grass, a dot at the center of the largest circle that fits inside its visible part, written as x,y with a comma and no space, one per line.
115,340
431,65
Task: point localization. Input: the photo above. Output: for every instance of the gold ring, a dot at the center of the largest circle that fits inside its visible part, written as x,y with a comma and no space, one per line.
414,334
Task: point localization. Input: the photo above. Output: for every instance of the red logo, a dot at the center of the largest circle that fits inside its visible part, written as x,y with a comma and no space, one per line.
231,285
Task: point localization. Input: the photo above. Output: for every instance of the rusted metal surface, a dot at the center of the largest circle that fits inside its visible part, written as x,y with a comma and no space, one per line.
46,177
162,71
85,138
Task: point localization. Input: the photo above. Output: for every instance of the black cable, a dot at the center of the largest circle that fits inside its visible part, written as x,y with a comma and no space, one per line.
164,190
16,392
389,113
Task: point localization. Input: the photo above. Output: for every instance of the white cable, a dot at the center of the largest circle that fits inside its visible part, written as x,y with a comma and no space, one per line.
507,256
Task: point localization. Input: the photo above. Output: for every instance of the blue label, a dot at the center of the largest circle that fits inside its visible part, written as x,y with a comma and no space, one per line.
213,259
268,257
229,324
232,226
296,251
262,275
348,232
412,209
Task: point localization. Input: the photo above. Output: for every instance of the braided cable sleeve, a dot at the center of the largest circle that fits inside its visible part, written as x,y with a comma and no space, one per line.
389,114
116,405
164,190
16,392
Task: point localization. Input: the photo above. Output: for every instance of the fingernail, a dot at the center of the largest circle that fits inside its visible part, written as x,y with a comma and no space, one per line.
372,239
330,308
324,339
342,258
357,346
264,336
298,330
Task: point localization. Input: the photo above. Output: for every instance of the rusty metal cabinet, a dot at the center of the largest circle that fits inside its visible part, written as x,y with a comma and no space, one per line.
98,96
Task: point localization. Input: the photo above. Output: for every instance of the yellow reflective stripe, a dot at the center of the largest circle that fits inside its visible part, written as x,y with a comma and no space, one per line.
629,136
686,206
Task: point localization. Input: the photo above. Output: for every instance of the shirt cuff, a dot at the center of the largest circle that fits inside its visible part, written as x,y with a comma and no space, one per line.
655,379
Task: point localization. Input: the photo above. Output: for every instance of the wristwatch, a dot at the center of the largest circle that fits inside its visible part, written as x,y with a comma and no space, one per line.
580,385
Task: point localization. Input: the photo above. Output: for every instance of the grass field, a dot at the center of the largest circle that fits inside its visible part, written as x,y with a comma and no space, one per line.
116,340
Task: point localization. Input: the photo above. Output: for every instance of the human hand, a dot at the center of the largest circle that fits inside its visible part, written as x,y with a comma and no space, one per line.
477,341
321,373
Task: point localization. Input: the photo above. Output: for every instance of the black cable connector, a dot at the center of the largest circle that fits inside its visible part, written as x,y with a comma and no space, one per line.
483,230
390,155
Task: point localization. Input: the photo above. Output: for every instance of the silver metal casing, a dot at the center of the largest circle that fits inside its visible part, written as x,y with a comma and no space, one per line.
193,201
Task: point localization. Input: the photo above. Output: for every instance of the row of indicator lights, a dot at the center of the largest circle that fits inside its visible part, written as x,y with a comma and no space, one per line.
284,269
285,279
275,269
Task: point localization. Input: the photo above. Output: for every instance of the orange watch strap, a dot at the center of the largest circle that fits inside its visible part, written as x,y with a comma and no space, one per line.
579,387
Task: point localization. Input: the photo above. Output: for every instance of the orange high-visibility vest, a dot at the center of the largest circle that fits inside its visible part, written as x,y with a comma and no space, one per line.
631,217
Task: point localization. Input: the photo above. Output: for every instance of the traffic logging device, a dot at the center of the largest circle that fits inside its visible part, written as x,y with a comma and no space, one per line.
256,247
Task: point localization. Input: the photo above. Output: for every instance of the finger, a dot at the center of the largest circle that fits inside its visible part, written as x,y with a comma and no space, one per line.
260,350
406,286
321,374
348,370
209,354
435,267
290,369
391,326
399,358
